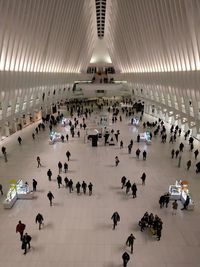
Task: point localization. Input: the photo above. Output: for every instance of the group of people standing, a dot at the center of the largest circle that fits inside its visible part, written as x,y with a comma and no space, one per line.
154,223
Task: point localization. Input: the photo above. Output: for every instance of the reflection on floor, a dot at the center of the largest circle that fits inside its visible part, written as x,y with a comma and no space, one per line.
78,229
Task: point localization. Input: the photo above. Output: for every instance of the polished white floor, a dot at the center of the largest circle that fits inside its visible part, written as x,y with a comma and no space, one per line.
78,229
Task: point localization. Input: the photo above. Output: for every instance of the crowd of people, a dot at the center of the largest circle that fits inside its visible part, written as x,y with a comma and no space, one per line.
154,223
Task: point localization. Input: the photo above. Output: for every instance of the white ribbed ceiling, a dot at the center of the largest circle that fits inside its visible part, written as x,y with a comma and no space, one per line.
46,35
154,35
59,35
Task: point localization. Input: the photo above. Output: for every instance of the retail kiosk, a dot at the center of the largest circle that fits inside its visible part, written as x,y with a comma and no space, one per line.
180,191
54,137
18,190
145,137
65,122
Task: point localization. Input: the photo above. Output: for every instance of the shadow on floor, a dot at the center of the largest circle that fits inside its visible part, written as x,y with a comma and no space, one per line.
104,226
114,187
49,225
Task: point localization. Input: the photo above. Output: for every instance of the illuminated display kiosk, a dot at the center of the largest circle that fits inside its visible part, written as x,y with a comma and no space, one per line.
54,137
18,190
145,137
180,191
135,121
65,122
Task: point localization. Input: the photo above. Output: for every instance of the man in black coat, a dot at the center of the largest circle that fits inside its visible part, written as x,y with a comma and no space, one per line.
39,219
116,218
26,239
59,180
130,241
134,190
125,258
50,197
123,181
49,174
34,185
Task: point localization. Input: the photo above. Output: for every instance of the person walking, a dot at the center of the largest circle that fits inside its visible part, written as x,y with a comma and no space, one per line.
20,229
125,258
33,136
134,190
62,138
143,178
68,155
65,167
137,153
49,174
181,146
116,218
78,187
174,207
129,149
196,153
189,163
66,182
1,189
19,140
90,188
159,231
59,167
128,186
59,180
84,187
144,155
70,184
121,144
3,149
116,161
172,153
123,181
67,137
50,197
162,201
39,162
26,239
34,185
39,219
176,153
130,241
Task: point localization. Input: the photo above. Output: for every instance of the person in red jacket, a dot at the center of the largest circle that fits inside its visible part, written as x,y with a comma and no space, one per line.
20,228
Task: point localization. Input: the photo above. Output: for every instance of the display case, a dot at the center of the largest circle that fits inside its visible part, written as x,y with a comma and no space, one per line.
23,190
18,190
135,121
54,137
180,191
145,137
11,197
65,122
175,192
